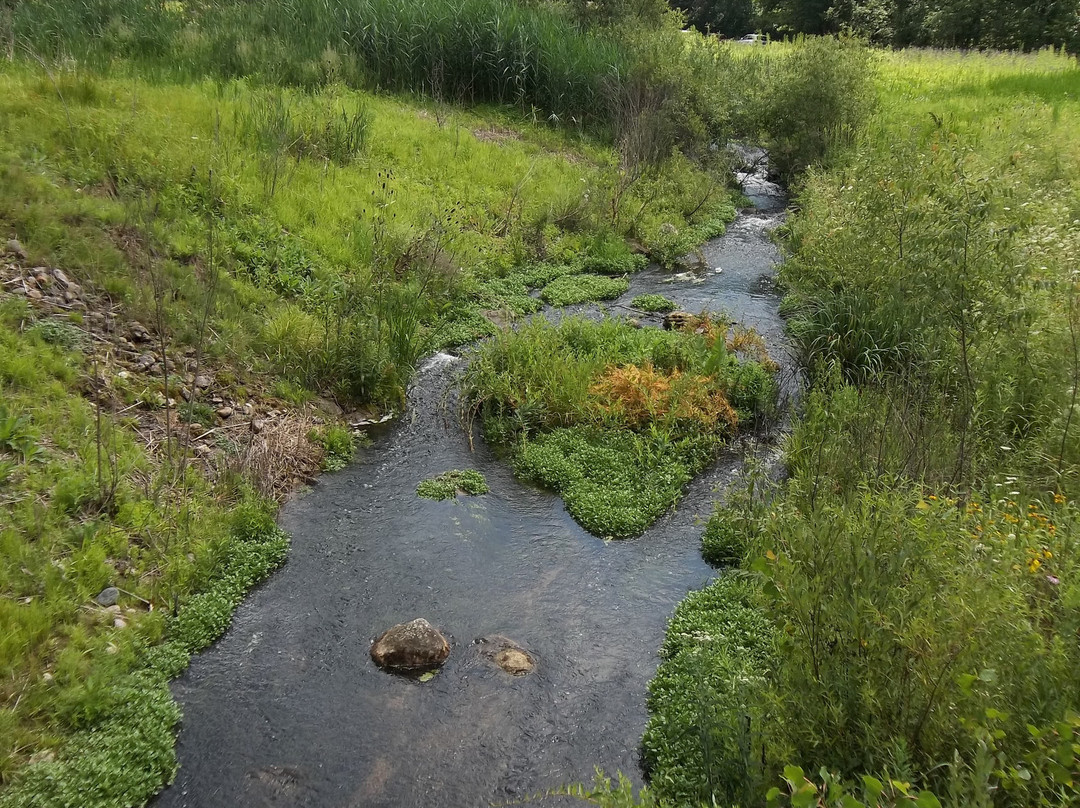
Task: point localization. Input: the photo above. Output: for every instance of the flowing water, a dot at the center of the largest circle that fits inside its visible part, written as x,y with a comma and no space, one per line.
288,709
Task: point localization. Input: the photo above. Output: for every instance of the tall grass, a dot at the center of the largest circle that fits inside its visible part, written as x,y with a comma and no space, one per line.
460,50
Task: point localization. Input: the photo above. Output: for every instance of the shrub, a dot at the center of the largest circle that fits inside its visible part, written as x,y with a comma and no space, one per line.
702,744
582,410
614,483
338,443
723,541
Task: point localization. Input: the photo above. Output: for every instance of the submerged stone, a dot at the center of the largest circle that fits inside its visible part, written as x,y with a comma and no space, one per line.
506,654
407,646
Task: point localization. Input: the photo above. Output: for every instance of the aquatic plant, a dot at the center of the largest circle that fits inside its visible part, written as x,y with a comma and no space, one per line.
571,289
654,303
450,483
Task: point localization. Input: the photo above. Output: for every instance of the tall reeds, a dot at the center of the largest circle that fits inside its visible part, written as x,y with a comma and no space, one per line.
465,50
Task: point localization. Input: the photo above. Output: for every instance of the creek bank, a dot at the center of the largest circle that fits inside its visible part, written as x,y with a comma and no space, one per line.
221,419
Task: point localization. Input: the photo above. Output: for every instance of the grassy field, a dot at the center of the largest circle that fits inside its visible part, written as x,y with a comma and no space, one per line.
920,569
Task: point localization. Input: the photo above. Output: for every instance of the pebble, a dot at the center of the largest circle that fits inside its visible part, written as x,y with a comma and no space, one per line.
202,381
225,412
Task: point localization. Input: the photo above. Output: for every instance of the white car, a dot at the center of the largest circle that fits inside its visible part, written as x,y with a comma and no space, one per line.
752,39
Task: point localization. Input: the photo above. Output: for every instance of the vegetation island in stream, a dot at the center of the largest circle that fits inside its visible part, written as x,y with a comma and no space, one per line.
230,232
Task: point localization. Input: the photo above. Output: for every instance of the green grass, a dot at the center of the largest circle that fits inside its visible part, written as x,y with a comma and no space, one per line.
337,254
448,484
74,684
473,51
338,443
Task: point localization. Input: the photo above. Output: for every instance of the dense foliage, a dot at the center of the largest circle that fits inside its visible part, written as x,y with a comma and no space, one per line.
920,570
242,179
448,484
1001,24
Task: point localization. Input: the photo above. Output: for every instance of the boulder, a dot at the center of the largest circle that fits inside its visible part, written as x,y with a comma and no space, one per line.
416,644
506,654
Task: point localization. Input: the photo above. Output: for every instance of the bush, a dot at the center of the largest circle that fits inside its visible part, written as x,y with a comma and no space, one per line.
583,410
723,542
702,743
338,443
615,483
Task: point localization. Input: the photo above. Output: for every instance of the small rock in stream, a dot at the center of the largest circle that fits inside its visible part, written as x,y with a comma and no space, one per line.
507,654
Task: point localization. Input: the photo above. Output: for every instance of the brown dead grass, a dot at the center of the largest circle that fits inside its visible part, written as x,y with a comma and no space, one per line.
638,396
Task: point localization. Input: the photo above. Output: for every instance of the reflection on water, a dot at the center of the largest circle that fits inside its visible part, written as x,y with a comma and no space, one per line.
287,709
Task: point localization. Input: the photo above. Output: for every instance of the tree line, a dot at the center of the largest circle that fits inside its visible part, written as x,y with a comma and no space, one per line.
995,24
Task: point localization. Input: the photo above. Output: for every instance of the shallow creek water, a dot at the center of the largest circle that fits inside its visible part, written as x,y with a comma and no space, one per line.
288,709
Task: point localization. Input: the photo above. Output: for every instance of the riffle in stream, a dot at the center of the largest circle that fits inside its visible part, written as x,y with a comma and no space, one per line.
288,708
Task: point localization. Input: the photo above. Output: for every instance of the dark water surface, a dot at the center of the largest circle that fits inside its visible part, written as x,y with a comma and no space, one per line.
288,709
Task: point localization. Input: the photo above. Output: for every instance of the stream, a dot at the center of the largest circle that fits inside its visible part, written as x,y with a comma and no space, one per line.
289,710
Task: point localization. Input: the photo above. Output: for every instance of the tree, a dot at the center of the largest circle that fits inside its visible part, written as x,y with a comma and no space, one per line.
730,18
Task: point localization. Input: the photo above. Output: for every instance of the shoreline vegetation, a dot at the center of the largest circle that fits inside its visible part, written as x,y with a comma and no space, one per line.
232,232
896,623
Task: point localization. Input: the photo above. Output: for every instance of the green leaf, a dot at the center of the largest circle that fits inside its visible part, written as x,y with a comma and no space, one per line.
804,797
873,788
927,799
794,775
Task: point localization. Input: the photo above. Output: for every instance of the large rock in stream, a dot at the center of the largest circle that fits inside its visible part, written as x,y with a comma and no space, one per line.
412,645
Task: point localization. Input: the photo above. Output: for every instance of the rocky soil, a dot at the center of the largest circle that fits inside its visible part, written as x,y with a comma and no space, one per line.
218,417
